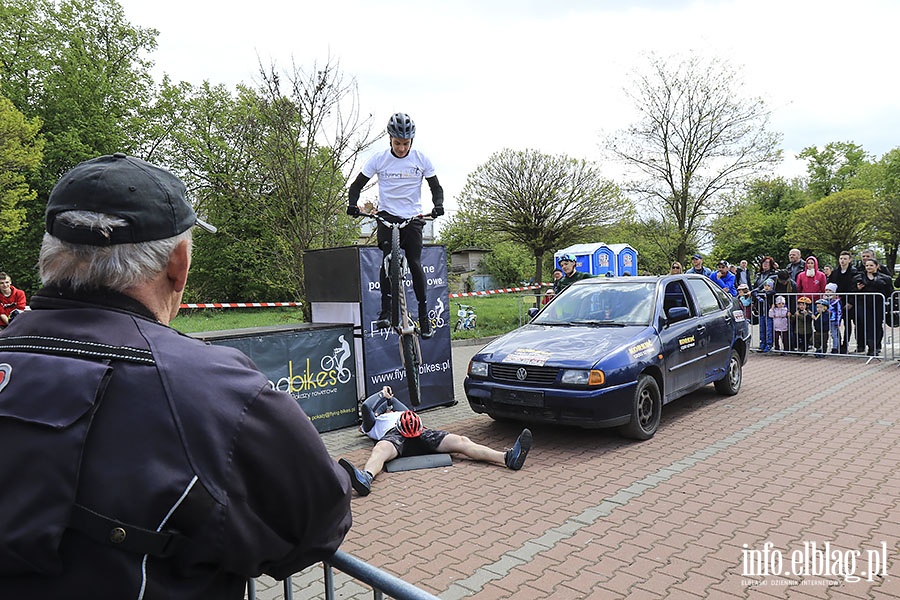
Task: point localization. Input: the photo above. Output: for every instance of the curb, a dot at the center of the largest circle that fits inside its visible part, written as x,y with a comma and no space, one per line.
483,341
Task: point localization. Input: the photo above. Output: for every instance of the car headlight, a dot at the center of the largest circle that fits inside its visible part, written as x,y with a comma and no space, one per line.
478,369
582,377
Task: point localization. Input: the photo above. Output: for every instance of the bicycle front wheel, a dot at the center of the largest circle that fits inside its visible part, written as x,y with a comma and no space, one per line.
398,294
411,354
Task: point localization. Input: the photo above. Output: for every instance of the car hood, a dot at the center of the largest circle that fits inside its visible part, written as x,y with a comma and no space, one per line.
568,346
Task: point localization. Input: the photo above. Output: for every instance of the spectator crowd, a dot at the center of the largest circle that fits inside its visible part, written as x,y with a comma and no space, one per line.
807,306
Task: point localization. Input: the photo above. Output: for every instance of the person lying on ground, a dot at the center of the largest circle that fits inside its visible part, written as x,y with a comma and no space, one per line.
398,431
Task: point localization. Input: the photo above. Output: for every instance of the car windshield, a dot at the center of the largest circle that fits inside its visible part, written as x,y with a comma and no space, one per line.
604,304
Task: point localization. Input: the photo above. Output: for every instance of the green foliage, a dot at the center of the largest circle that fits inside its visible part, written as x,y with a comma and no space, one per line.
833,168
77,65
653,239
465,229
20,152
883,178
837,222
508,263
753,225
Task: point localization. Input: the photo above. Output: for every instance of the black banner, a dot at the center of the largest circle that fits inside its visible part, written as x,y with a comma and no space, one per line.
316,366
381,348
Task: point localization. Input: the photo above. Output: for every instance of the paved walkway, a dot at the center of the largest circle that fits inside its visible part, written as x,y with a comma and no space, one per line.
798,473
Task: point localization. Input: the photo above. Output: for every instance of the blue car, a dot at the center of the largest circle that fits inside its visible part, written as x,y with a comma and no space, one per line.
610,352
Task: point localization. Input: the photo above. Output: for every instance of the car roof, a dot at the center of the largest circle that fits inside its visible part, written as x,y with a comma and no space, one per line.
601,280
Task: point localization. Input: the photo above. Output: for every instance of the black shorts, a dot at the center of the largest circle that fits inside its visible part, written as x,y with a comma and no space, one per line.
427,443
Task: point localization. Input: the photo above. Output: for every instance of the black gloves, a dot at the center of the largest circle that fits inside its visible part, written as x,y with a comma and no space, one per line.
353,210
437,211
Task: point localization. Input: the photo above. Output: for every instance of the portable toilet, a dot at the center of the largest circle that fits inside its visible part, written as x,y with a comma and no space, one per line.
603,260
626,259
583,256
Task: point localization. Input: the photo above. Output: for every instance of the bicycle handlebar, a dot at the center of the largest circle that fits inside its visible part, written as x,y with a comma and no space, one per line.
400,224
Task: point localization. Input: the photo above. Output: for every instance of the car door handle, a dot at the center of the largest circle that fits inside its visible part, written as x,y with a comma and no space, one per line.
701,328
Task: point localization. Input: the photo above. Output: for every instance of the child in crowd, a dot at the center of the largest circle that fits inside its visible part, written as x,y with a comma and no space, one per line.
821,326
802,322
746,301
779,316
764,299
784,286
835,314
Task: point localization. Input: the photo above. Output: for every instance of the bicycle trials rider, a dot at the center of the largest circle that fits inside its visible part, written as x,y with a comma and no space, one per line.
400,171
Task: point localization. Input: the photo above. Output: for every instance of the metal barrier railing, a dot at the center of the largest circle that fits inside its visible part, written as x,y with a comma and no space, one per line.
381,582
867,325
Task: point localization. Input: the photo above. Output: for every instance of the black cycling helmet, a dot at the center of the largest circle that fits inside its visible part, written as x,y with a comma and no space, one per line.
401,126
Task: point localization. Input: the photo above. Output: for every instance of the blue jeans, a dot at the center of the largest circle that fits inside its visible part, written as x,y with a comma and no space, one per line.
766,332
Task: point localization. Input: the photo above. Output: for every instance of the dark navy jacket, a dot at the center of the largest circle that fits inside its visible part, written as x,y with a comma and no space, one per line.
182,437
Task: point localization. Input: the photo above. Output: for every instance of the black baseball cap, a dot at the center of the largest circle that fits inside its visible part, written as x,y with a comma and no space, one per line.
152,200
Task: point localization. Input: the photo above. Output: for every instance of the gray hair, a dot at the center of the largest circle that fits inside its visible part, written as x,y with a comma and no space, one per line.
116,267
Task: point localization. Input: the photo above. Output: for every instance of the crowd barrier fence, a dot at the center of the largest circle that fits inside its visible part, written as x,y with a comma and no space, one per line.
868,325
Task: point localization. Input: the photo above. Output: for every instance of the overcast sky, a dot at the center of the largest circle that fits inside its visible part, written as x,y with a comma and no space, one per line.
478,76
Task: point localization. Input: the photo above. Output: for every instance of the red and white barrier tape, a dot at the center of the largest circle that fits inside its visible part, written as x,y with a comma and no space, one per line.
499,291
239,304
271,304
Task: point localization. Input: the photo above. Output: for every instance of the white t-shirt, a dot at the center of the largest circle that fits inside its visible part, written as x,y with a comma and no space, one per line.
384,423
399,181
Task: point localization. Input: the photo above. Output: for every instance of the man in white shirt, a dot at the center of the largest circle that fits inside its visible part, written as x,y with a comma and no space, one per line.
400,171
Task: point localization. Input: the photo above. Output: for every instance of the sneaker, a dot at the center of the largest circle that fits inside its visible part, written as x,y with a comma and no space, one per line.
425,329
384,320
515,456
360,480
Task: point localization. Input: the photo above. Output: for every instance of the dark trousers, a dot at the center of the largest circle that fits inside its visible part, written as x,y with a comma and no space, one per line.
411,242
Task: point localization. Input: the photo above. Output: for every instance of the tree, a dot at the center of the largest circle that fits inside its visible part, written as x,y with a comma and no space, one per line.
20,152
883,178
832,168
208,135
311,136
752,223
696,137
466,229
539,201
79,66
837,222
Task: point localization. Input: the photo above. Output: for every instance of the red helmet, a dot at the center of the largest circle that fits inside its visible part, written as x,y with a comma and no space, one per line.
409,425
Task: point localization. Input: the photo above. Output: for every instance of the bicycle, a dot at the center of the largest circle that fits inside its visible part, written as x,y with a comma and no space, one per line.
467,316
396,268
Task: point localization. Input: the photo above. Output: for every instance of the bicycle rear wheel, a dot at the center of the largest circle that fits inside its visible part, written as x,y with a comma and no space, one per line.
411,355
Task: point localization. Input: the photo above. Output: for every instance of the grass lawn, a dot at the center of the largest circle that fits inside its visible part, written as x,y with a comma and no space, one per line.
497,314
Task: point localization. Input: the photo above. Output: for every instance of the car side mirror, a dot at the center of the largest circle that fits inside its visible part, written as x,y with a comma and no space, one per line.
532,312
678,313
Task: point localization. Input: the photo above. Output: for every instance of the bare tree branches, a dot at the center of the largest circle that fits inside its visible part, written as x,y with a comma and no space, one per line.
538,200
696,137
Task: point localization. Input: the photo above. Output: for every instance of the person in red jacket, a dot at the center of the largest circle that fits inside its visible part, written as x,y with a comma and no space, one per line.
12,300
812,281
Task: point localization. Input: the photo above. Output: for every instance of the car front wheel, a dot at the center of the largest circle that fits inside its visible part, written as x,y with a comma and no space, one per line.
646,410
731,383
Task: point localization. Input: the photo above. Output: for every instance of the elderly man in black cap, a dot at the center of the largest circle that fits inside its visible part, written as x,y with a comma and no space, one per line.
139,462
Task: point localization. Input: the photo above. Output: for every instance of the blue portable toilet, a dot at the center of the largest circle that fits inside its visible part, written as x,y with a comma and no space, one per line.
583,256
604,260
626,259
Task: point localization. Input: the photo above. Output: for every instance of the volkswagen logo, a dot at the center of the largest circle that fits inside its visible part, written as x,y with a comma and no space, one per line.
521,374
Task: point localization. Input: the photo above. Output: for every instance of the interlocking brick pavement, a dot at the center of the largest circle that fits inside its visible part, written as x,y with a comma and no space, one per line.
806,453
